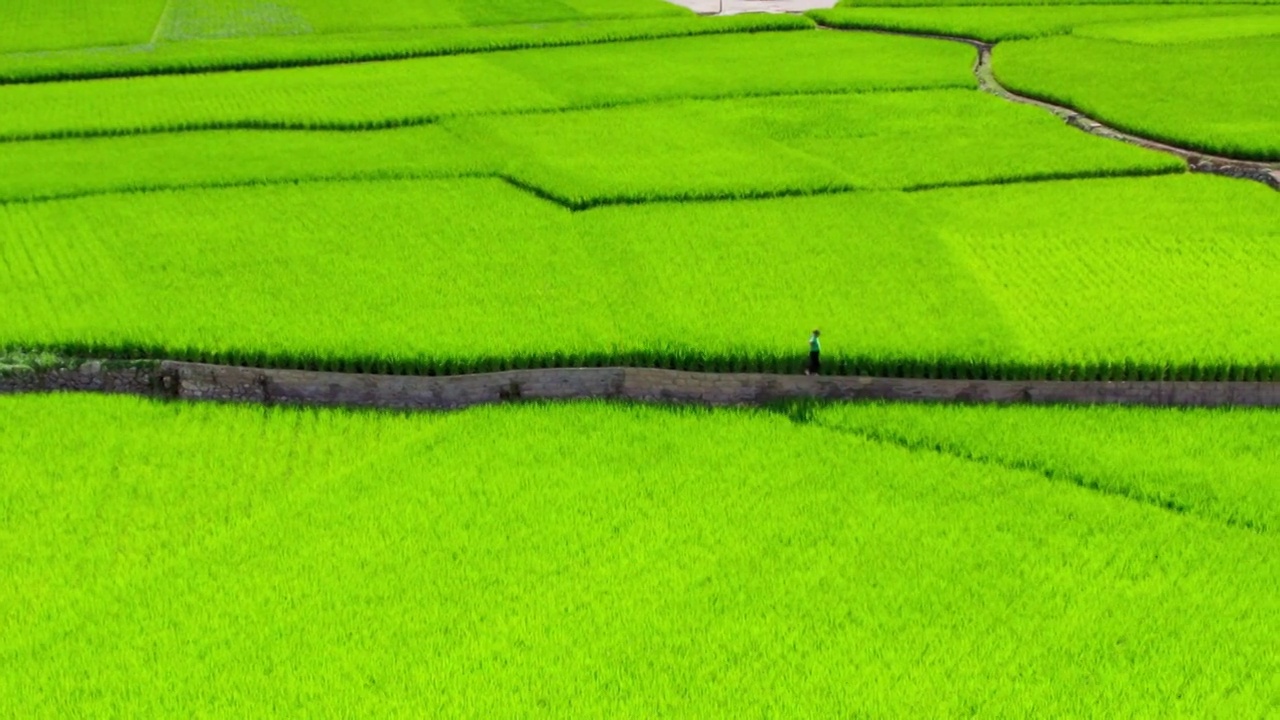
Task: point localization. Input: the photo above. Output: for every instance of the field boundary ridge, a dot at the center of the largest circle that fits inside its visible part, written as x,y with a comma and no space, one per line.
225,383
1197,161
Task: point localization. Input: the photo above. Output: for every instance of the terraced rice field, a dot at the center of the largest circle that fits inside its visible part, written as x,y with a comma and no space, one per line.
44,25
426,148
422,90
992,22
1207,97
1198,75
476,274
453,187
274,51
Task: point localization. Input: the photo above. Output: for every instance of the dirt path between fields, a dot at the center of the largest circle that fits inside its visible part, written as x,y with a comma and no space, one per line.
742,7
221,383
1266,173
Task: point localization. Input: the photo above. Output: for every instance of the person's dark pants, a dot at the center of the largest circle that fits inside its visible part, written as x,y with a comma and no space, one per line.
814,364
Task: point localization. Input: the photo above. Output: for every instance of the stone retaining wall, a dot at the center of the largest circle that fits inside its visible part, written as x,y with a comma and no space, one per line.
192,381
139,379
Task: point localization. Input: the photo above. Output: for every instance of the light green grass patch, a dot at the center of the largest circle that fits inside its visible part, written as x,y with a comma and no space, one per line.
1221,97
591,558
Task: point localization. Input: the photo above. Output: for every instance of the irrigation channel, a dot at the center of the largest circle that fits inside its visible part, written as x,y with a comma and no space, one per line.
222,383
1268,174
1265,173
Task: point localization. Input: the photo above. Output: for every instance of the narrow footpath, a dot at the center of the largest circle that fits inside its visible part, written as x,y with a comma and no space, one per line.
196,381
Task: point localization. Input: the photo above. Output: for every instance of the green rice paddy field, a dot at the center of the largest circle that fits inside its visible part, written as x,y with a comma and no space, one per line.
608,560
1202,76
440,186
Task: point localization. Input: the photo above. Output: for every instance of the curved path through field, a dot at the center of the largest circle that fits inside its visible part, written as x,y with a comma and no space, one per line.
1268,174
195,381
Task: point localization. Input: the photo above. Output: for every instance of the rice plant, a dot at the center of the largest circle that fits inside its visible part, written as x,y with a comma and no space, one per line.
282,51
417,91
1220,96
142,25
995,22
42,25
604,560
1119,279
796,145
1219,465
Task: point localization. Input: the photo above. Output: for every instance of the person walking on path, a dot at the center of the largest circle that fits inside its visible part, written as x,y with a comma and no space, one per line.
815,350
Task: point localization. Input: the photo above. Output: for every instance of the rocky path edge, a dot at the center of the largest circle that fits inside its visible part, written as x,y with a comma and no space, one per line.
196,381
1268,174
